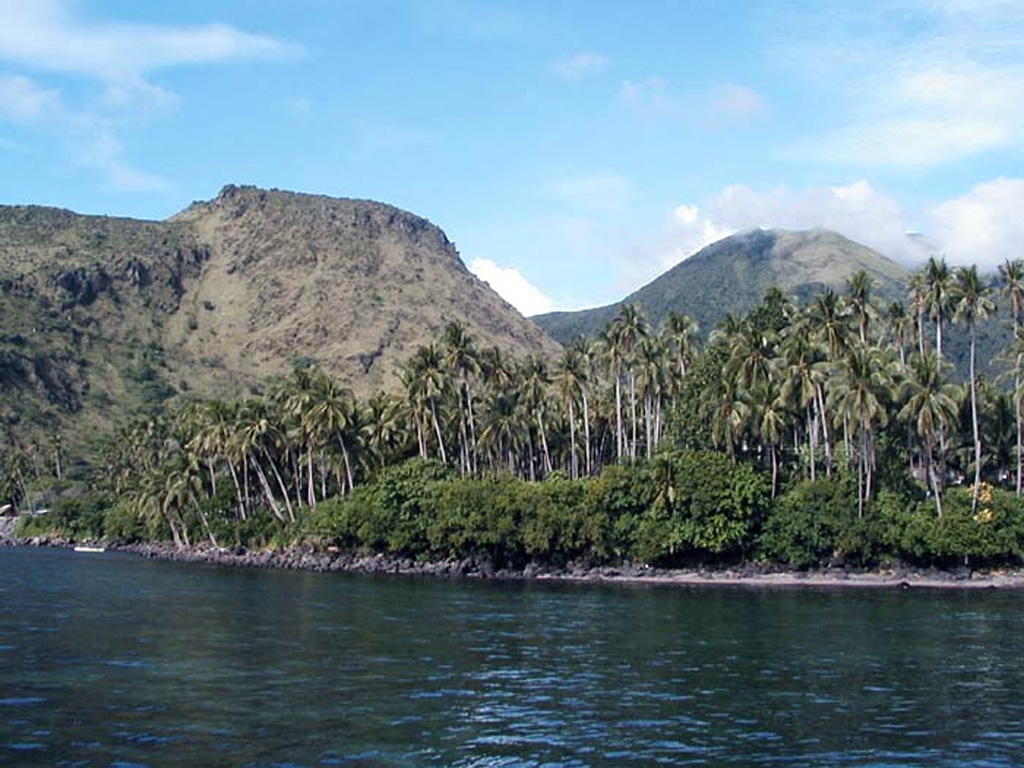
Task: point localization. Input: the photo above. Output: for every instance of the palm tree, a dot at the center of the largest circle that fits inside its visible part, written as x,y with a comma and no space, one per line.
497,369
330,414
930,405
803,381
587,355
182,489
651,379
461,357
918,294
629,326
770,419
1012,274
680,332
384,435
750,360
296,397
898,322
727,327
425,383
828,319
150,500
613,352
570,379
534,384
503,428
860,388
858,286
730,412
212,441
260,438
972,304
938,281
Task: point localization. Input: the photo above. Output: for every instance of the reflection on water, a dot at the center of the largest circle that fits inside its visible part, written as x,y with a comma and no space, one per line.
109,660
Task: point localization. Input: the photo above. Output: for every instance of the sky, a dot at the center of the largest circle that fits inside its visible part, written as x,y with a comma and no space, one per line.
572,150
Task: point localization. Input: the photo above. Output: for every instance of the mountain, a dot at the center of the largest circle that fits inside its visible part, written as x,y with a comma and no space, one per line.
733,274
101,318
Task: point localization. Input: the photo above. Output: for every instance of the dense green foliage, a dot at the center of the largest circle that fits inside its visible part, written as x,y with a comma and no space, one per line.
682,509
810,436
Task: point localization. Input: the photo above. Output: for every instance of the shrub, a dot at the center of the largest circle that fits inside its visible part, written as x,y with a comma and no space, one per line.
994,534
612,507
813,522
391,514
556,525
702,504
479,517
122,523
79,514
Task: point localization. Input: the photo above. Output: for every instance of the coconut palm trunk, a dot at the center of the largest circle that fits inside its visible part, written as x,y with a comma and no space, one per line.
586,432
974,424
618,415
437,431
824,432
573,463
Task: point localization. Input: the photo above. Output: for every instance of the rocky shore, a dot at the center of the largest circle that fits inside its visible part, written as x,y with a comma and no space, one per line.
306,558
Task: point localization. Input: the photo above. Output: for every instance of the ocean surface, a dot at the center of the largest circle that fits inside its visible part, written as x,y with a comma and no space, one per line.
110,660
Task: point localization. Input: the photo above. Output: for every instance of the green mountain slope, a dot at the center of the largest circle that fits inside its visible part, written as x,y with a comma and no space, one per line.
103,318
733,274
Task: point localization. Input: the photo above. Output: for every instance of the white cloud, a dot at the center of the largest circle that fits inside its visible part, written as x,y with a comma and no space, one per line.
22,101
510,284
89,137
579,66
736,101
943,135
102,150
48,36
601,191
945,85
691,232
983,226
856,210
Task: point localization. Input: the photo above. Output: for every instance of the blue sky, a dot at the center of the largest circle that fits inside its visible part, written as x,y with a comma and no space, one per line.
572,150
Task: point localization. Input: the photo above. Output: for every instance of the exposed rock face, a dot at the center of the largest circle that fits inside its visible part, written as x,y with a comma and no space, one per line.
102,318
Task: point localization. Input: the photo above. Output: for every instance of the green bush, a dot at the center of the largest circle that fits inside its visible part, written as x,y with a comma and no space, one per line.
479,517
77,516
336,521
557,527
391,514
614,502
993,535
702,505
122,523
814,522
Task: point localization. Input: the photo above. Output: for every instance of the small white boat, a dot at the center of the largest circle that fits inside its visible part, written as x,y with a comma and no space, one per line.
90,549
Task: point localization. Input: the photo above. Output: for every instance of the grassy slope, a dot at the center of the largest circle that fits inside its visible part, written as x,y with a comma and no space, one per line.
103,318
356,285
81,304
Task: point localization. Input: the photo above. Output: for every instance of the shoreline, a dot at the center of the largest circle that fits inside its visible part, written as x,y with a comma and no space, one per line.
749,575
